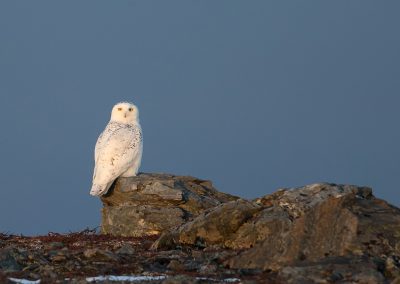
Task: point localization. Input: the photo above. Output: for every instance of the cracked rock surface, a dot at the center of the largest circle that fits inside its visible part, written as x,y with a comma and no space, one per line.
320,228
149,204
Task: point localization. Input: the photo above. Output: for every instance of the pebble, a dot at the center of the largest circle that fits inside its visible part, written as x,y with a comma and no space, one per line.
175,265
126,249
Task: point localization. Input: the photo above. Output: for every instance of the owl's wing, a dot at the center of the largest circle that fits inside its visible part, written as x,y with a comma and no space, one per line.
99,145
114,155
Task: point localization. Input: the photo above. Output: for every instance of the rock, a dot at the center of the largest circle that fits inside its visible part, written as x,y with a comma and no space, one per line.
9,260
59,258
175,265
321,233
217,226
100,255
291,226
149,204
342,270
126,249
208,268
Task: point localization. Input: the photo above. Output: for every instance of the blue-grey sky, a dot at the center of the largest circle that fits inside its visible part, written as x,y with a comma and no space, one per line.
253,95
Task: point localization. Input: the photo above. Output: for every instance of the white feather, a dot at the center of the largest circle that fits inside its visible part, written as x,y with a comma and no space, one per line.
119,148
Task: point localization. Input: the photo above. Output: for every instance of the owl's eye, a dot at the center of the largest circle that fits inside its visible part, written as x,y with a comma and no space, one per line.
120,108
130,109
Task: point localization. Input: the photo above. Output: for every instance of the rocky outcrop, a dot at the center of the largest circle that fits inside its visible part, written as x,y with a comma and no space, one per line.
302,226
313,234
149,204
321,233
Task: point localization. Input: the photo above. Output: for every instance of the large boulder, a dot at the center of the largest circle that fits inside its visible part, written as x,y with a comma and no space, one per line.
319,233
149,204
320,222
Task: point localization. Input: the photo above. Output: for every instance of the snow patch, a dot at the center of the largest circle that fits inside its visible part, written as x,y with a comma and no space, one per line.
230,280
125,278
227,280
131,278
23,281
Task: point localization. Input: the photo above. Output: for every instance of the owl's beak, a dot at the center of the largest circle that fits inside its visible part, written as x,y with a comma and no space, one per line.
125,114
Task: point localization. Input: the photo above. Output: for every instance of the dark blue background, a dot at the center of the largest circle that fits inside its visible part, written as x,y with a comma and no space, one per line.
254,95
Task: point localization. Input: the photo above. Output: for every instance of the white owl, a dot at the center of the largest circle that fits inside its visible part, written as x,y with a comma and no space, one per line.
119,148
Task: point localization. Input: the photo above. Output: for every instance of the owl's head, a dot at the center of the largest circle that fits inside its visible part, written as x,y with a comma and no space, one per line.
125,112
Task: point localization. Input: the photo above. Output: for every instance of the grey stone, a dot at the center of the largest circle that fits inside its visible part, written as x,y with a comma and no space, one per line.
163,191
8,260
336,270
136,221
100,255
309,223
212,227
318,221
126,249
150,204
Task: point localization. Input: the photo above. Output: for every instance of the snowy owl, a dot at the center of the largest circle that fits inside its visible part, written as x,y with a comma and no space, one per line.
118,151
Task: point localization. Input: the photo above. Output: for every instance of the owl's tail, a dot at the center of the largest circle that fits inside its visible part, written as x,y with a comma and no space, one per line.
99,189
